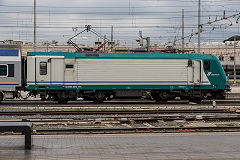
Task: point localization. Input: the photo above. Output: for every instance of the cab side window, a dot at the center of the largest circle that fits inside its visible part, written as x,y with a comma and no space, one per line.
69,66
207,65
43,68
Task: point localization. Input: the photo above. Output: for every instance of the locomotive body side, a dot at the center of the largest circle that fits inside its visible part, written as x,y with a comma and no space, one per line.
99,76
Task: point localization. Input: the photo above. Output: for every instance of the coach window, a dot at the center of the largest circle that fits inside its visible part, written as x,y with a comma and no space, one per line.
43,68
10,70
207,65
3,71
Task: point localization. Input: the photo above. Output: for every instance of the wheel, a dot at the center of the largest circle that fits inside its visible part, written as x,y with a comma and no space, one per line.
43,99
184,98
60,100
159,100
98,101
196,100
63,101
161,97
220,95
164,95
99,97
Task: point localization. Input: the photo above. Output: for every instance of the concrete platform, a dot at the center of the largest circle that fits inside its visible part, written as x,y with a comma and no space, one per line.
214,146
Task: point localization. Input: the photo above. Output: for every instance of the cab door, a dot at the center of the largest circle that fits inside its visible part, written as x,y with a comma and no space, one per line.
43,72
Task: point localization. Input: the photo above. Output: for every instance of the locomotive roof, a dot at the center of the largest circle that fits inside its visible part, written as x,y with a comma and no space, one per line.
127,55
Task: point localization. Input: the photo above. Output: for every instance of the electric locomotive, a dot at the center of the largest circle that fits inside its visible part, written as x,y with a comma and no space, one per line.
95,76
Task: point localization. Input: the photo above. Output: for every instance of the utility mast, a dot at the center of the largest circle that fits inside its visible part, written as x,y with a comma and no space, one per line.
199,26
234,50
183,31
111,37
35,18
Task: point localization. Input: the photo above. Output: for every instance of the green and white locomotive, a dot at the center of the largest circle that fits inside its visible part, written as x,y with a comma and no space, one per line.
64,76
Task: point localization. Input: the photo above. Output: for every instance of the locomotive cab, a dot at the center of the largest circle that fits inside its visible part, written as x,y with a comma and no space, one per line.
216,75
49,75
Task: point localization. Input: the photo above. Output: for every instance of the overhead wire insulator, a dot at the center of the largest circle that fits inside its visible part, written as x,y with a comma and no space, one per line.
237,19
213,28
209,20
88,27
230,22
191,36
201,28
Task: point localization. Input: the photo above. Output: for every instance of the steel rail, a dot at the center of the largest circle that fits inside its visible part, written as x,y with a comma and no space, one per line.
137,118
112,112
139,130
111,103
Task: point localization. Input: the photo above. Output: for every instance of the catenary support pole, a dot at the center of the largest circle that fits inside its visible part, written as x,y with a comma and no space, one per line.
183,31
235,77
35,23
112,38
199,26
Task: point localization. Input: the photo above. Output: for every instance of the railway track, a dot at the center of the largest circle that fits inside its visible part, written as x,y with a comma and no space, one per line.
38,103
113,112
120,122
136,119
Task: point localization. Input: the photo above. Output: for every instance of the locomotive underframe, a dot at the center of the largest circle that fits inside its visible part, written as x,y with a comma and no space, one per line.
98,96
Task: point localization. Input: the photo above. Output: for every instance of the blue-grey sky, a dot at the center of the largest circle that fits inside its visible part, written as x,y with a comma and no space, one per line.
158,19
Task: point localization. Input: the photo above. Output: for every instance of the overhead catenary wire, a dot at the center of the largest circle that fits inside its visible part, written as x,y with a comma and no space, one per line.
158,17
